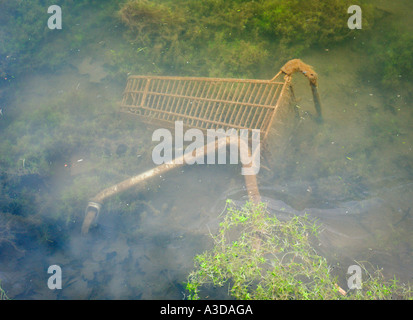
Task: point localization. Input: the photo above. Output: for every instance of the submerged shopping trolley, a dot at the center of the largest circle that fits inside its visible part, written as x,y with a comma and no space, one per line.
206,103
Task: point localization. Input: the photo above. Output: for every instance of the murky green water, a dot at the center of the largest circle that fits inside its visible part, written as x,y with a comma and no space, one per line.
353,172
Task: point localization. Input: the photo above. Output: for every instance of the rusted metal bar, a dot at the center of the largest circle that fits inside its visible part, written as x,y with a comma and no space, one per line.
95,204
296,65
316,99
210,108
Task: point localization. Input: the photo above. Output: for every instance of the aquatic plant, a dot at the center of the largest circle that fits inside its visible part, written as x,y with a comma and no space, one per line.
43,139
3,295
26,44
310,22
390,60
149,21
21,32
261,257
227,38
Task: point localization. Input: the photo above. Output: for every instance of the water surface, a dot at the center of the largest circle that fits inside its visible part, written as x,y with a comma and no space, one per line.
353,173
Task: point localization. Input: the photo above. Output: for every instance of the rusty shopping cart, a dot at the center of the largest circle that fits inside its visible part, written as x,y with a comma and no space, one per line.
205,103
